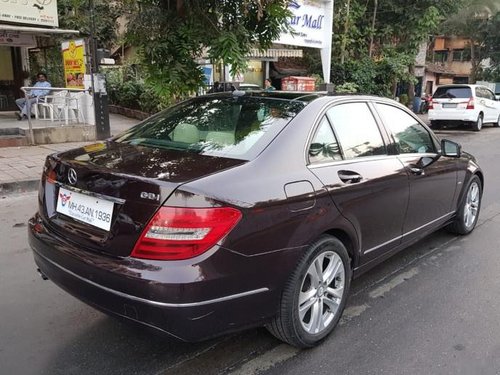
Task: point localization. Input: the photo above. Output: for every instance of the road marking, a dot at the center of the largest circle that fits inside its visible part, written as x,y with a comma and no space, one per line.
267,360
394,282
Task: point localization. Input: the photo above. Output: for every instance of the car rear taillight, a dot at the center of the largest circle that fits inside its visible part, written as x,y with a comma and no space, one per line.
470,104
430,105
176,233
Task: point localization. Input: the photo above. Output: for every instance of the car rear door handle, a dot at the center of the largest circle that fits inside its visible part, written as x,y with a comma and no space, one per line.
349,177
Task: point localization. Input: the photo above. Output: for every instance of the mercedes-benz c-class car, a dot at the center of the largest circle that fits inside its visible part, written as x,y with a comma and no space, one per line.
236,210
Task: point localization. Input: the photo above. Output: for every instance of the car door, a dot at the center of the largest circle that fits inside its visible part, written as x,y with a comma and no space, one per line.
492,104
369,187
432,177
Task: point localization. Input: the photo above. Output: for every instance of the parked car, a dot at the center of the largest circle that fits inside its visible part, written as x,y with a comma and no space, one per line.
229,211
249,87
471,104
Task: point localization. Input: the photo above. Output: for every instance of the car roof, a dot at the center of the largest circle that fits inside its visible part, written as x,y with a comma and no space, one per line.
461,85
307,96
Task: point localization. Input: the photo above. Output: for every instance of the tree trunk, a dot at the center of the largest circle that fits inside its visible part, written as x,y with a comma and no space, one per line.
375,6
344,37
474,62
411,85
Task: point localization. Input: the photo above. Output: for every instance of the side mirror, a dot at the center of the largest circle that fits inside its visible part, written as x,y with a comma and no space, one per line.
450,148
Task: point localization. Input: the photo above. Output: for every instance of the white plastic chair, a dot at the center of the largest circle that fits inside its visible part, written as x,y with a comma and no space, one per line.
56,105
74,110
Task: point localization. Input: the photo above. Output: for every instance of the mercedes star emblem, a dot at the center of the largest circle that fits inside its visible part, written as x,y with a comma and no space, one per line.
72,176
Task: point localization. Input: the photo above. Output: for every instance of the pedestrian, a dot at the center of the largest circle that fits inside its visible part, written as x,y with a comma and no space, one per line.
268,86
34,95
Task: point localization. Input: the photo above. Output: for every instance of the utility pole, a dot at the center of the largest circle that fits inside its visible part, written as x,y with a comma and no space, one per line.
101,111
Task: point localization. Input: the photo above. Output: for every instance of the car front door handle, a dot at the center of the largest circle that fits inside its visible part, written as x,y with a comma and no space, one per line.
349,177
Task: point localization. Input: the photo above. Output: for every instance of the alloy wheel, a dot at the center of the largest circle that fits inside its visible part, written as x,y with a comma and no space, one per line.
321,292
471,204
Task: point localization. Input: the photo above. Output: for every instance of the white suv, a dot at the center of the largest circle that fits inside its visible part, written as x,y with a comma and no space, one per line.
473,104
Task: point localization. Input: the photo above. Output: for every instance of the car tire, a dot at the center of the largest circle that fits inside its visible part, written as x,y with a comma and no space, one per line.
468,210
435,124
315,295
478,125
497,124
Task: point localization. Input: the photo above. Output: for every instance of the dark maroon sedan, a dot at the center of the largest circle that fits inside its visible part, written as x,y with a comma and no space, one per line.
236,210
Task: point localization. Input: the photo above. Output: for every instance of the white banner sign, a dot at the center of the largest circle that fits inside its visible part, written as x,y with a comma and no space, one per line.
32,12
16,39
308,22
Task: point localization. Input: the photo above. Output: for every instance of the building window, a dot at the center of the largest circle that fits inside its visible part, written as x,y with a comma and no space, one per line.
440,56
461,55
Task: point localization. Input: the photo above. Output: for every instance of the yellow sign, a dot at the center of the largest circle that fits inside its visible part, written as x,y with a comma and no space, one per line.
74,63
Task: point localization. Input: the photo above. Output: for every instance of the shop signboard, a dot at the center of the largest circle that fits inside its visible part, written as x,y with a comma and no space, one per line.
308,24
16,39
74,63
31,12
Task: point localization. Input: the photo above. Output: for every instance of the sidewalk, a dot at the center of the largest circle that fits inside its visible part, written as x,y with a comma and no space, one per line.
21,167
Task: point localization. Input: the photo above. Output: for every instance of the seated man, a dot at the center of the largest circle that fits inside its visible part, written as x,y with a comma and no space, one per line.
33,96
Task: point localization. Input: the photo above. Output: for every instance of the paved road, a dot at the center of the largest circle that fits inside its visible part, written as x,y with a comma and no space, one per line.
432,309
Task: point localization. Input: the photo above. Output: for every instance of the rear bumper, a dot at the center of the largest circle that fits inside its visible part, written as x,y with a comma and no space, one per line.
458,115
182,300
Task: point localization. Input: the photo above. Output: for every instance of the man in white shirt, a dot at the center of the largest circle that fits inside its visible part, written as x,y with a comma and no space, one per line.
34,96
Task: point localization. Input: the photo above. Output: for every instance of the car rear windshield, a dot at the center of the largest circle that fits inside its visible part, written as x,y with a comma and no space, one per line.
462,92
230,126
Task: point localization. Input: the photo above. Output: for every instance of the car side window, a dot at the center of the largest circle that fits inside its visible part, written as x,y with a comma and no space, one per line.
479,92
324,147
410,136
489,94
356,130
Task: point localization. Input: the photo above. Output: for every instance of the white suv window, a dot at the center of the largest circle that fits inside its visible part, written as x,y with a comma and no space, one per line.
461,92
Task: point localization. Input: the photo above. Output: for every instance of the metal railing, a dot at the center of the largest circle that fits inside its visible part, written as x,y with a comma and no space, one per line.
27,90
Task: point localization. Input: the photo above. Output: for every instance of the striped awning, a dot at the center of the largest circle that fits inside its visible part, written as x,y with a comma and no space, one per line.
273,53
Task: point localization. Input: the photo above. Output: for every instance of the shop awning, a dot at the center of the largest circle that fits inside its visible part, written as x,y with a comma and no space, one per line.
273,53
37,31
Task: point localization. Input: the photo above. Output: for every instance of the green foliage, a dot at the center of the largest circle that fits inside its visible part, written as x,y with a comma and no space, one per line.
127,88
347,88
400,28
404,99
173,35
373,77
76,15
49,61
477,21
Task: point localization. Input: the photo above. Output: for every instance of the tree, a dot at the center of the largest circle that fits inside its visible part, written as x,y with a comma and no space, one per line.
173,34
474,21
388,32
77,15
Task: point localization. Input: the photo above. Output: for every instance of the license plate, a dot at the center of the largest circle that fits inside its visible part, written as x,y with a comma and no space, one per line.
94,211
449,105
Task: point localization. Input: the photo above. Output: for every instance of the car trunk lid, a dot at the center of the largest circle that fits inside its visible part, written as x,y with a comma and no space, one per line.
101,196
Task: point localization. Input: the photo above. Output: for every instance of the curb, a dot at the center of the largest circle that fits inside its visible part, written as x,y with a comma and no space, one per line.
19,186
